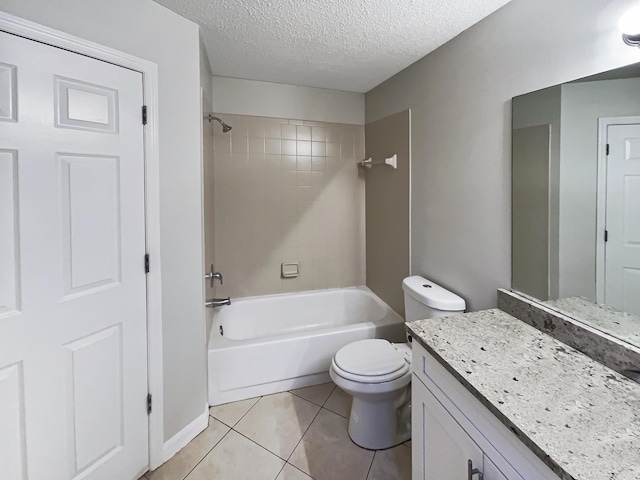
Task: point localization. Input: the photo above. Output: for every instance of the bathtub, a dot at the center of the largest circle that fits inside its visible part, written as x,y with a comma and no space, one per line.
274,343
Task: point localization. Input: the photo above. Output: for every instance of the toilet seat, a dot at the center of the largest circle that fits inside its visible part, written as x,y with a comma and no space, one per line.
370,361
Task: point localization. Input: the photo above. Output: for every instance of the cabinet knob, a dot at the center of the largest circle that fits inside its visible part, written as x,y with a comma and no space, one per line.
473,471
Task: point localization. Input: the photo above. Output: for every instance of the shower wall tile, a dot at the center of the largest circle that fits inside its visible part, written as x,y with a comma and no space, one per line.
284,191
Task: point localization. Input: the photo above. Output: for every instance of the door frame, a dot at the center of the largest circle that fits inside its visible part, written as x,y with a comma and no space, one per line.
149,70
601,210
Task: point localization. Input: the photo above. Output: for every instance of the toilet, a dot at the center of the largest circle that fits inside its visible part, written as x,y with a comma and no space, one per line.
377,373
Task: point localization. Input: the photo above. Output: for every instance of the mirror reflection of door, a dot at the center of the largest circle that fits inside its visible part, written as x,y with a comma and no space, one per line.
620,268
564,202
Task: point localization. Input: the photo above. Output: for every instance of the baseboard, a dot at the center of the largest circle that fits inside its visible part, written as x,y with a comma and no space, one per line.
184,436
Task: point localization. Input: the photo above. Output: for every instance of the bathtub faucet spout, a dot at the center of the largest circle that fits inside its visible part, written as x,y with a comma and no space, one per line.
217,302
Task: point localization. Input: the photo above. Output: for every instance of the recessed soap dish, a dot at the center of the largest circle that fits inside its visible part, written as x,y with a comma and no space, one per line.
290,269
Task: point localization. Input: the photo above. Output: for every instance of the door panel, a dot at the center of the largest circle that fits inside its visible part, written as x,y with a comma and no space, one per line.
8,93
90,214
622,251
444,447
84,106
73,359
12,439
9,273
96,366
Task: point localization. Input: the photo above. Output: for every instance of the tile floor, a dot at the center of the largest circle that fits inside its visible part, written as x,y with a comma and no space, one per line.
296,435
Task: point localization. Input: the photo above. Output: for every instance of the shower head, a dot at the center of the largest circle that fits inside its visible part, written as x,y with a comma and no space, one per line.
225,127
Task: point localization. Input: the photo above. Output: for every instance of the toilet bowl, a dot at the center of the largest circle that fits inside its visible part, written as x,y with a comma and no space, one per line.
377,373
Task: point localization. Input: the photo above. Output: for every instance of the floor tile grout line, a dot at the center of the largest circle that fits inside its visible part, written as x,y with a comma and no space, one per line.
265,448
375,452
310,476
261,446
335,413
244,415
280,471
299,396
247,412
208,452
305,432
331,393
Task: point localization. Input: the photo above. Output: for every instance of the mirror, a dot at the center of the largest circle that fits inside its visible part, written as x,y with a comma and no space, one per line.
576,199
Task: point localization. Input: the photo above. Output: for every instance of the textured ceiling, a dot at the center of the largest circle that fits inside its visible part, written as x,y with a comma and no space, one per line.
341,44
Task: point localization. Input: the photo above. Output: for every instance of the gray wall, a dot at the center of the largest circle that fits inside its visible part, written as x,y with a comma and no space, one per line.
387,208
266,99
460,96
145,29
582,105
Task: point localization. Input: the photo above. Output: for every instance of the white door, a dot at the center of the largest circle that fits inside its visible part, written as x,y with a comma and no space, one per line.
622,249
73,361
443,448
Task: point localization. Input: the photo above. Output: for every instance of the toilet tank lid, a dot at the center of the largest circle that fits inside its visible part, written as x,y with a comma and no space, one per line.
432,294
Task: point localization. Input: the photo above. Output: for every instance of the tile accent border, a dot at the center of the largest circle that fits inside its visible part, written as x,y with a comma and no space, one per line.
601,347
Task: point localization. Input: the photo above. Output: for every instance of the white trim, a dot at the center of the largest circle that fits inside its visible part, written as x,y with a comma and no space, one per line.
149,70
601,209
184,436
410,202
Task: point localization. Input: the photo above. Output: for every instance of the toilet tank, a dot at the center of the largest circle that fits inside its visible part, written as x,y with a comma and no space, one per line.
425,299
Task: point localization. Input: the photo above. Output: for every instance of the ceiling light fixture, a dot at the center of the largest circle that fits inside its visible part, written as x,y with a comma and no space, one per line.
630,27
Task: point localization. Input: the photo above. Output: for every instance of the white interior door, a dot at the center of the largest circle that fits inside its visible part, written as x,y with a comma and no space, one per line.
73,361
622,249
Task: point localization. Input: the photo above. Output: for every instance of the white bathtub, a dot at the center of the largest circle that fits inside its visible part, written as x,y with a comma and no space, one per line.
269,344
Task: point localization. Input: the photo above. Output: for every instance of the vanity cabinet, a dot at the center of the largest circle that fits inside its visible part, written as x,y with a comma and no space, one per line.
446,449
450,427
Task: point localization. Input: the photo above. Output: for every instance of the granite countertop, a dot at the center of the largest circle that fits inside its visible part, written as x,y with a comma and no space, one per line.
621,324
581,418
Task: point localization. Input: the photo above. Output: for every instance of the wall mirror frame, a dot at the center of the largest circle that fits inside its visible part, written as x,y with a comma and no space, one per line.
576,200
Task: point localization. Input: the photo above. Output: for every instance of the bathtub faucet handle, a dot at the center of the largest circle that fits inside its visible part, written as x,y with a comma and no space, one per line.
213,275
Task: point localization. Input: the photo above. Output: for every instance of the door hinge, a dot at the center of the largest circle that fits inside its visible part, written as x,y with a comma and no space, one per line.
149,401
606,235
146,263
144,114
607,149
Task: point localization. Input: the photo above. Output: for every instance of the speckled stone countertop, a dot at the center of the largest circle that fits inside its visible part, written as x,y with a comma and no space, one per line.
581,418
621,324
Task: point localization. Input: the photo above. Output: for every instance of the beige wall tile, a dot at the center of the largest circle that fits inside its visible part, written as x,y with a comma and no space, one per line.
275,202
288,132
303,133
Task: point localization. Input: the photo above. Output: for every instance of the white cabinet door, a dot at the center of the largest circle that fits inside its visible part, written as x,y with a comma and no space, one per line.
441,449
491,472
73,356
